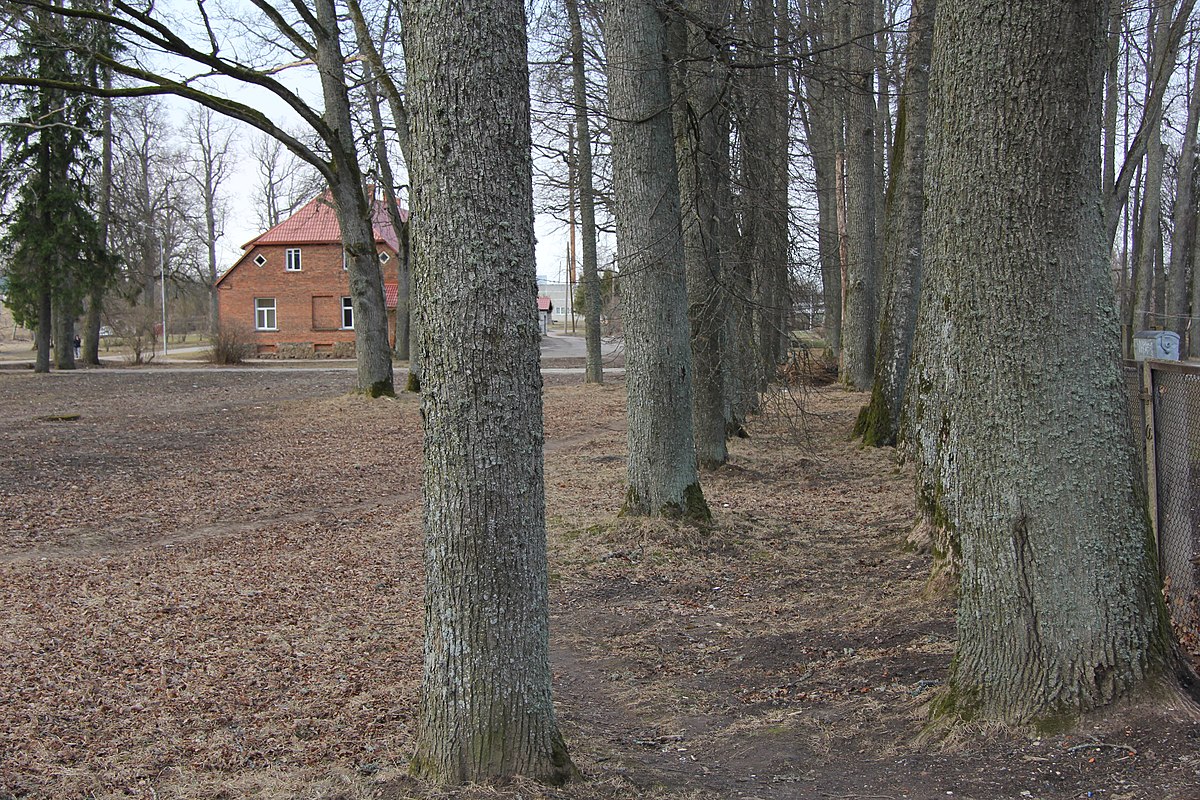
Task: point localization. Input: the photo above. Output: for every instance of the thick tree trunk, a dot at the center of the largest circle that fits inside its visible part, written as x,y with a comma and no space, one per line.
373,353
701,136
859,323
658,363
63,317
41,334
486,709
594,366
880,422
1023,424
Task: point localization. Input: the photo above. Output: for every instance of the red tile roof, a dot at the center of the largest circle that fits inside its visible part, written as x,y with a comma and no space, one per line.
316,223
391,293
544,304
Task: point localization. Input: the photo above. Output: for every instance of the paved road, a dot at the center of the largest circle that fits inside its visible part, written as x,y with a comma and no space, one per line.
186,359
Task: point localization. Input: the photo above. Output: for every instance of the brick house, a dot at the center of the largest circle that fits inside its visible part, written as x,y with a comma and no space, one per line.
290,290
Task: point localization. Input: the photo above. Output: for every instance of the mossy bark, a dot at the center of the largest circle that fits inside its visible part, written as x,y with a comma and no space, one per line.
880,426
1020,418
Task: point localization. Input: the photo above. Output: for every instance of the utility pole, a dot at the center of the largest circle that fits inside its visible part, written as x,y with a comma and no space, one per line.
162,274
571,223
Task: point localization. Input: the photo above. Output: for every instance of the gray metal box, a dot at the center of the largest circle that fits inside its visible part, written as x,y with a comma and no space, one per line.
1156,345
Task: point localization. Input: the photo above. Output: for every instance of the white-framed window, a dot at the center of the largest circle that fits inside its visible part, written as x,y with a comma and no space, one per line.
345,260
260,260
347,314
264,314
384,258
292,259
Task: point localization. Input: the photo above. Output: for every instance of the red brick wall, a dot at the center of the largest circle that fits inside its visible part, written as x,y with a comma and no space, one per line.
308,303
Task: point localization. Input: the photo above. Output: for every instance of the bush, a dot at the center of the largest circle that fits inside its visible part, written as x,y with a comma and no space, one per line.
231,345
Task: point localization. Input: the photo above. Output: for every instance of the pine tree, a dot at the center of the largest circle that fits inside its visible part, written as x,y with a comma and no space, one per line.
56,250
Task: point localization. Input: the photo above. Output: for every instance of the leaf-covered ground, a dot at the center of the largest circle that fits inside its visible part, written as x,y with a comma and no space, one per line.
210,585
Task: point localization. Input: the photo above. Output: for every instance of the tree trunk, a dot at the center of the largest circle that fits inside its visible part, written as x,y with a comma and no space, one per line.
859,325
400,345
701,136
1024,423
353,208
1164,48
486,711
594,366
1194,331
1146,311
63,319
880,423
41,334
658,363
822,118
1183,235
95,296
764,134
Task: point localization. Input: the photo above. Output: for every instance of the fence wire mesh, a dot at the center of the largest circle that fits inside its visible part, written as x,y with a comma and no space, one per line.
1176,392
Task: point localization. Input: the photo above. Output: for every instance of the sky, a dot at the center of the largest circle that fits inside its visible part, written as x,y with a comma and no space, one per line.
241,190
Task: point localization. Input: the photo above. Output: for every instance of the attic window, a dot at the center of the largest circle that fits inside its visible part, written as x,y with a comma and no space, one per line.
384,258
260,260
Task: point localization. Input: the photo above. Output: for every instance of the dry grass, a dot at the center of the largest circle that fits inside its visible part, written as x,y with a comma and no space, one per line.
211,585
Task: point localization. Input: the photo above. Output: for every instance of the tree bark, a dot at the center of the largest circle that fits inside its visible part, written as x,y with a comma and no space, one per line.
764,134
41,334
400,346
823,105
95,296
1162,66
880,423
63,318
353,208
1150,248
486,710
1183,235
658,363
702,142
593,365
859,323
1023,423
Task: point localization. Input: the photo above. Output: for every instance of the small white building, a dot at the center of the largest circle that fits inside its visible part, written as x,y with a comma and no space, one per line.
557,292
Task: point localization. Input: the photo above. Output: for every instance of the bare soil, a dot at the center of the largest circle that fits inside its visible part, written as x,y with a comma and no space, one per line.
211,588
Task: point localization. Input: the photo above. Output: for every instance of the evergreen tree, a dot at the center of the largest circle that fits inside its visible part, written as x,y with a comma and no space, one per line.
56,252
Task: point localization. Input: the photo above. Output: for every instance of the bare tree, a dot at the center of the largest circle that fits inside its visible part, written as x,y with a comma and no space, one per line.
310,36
211,163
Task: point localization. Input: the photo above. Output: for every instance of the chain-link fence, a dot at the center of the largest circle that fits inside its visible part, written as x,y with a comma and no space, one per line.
1175,490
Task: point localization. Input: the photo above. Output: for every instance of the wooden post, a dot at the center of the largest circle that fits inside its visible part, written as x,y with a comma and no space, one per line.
1148,439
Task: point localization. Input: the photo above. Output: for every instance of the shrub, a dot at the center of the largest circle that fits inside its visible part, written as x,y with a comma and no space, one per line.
230,345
